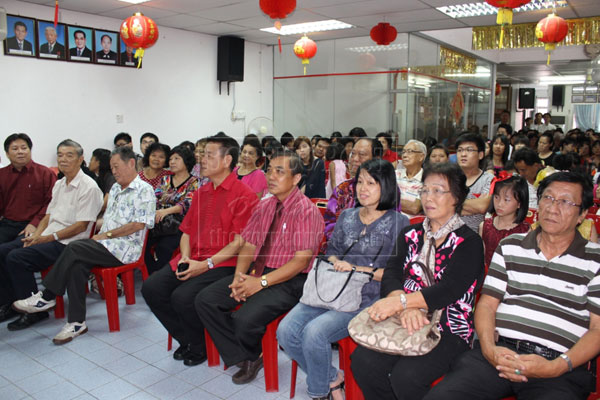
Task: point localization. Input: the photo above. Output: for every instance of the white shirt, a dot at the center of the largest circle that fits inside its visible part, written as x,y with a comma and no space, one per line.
80,200
541,128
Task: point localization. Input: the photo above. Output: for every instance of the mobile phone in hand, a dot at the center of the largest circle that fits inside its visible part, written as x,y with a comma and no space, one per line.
182,267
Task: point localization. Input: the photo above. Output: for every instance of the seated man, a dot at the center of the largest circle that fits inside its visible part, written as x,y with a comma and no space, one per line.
538,318
409,178
129,213
286,228
210,249
25,190
76,201
529,166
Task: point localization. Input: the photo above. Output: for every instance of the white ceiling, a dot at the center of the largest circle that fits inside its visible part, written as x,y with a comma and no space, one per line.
244,18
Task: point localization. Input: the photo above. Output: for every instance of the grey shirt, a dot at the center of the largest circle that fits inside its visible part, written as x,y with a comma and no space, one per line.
480,187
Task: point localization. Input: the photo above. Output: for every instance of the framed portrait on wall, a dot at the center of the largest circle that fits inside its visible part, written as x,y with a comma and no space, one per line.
127,57
20,37
81,43
51,40
107,43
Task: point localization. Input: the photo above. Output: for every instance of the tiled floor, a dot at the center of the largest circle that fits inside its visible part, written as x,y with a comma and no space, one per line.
130,364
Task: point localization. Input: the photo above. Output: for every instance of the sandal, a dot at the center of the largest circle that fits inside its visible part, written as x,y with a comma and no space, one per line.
340,386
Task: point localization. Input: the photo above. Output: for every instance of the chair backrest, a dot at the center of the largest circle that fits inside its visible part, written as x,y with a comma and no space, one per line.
321,204
596,219
532,216
417,219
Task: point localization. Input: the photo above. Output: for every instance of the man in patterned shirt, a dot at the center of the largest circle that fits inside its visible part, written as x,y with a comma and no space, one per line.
538,319
129,213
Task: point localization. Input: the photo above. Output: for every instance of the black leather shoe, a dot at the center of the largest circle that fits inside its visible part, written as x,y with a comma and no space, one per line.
6,312
26,320
182,352
248,372
192,359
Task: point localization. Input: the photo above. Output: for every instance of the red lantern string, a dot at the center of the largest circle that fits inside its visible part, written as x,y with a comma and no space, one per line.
55,13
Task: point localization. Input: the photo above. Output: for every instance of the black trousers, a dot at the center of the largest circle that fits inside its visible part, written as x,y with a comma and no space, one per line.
383,376
473,377
9,229
72,269
159,251
172,302
18,263
238,334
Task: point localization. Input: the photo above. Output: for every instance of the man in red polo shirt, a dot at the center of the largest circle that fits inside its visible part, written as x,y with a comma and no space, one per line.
210,243
284,233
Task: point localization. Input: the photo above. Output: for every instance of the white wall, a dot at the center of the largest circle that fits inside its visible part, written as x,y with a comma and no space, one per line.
174,95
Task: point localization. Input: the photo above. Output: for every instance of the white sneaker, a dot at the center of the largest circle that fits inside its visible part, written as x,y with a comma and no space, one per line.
70,331
33,304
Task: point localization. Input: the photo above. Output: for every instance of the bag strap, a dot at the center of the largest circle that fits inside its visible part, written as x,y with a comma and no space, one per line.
341,290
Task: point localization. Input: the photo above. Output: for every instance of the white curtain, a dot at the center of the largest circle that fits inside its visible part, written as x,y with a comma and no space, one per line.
587,116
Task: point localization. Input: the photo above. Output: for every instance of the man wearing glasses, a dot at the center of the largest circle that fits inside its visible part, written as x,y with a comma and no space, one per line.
409,178
470,150
538,318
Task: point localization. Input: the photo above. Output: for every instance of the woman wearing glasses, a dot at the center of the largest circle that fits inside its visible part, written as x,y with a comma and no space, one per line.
454,254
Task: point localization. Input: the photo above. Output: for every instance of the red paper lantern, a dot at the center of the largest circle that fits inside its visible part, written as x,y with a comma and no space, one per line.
498,89
383,33
505,13
305,49
551,30
277,9
139,32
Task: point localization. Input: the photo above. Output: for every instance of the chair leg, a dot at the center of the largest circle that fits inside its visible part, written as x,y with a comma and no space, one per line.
293,379
212,354
144,271
129,286
269,346
100,283
169,342
112,300
353,392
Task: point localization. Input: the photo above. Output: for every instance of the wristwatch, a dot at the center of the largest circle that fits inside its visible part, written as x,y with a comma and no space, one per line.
109,235
263,281
210,263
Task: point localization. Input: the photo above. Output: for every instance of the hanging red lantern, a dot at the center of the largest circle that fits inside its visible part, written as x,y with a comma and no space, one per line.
551,30
505,13
277,9
139,32
305,49
498,89
383,33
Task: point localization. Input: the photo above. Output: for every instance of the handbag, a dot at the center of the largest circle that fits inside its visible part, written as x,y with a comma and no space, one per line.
169,225
390,337
323,280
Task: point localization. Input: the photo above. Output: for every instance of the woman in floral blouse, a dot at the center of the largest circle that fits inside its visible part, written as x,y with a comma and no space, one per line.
173,199
155,162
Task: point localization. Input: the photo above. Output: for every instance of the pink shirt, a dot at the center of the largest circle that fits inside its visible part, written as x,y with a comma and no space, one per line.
256,180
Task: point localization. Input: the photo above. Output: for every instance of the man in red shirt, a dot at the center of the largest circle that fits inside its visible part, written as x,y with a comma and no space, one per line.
210,243
283,233
25,190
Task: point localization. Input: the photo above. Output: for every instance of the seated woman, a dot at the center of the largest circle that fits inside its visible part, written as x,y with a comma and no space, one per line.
455,254
155,161
248,171
499,155
313,176
363,237
173,199
438,154
337,170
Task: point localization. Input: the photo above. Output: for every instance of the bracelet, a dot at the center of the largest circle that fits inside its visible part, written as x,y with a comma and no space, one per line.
55,236
403,301
565,357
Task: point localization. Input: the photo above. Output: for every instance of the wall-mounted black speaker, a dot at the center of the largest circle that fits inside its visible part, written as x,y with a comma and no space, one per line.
526,98
558,96
230,59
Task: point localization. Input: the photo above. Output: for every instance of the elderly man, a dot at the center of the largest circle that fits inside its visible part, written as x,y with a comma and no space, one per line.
409,178
283,233
129,213
25,189
76,201
52,46
538,319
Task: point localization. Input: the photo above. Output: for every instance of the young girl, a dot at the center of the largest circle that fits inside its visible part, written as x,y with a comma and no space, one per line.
510,202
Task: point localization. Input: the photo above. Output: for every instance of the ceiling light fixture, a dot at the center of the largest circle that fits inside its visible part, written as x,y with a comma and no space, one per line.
479,9
308,27
562,80
372,49
134,1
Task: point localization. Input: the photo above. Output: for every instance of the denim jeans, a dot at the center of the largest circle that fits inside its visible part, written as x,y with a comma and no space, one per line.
306,334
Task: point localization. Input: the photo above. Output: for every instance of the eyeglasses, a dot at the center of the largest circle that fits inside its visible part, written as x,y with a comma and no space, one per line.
433,192
466,150
563,204
409,152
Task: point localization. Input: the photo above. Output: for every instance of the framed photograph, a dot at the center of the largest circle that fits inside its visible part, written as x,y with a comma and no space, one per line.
20,36
51,40
107,43
577,98
127,58
81,43
591,98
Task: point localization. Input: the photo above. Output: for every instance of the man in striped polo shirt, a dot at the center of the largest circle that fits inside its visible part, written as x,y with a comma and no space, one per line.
538,319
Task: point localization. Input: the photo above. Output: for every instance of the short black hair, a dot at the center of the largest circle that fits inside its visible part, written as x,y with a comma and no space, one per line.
286,138
257,147
229,146
527,155
79,31
457,181
549,136
265,140
273,146
441,147
566,161
569,141
334,152
105,35
122,136
508,128
522,139
384,173
149,135
336,134
386,136
520,190
189,144
17,136
188,157
323,139
20,23
469,137
376,147
585,181
156,146
357,132
317,136
294,161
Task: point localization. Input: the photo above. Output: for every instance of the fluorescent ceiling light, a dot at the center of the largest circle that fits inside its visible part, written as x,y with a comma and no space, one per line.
562,80
480,72
134,1
372,49
307,27
478,9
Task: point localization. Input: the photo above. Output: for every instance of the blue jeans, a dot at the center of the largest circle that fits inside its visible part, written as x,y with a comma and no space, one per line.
306,334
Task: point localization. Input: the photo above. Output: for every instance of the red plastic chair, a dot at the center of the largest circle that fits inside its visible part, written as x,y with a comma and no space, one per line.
417,219
321,205
107,285
532,216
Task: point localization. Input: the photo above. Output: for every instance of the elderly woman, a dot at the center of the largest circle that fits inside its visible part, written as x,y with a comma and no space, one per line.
173,199
155,162
455,254
313,175
363,238
248,171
